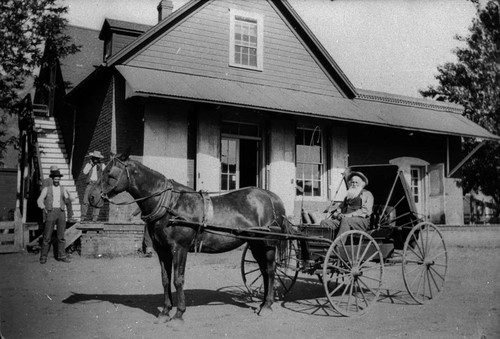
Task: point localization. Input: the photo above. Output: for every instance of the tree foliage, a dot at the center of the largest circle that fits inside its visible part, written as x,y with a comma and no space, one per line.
31,35
473,81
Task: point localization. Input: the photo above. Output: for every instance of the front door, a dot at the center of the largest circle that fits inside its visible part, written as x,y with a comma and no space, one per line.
240,153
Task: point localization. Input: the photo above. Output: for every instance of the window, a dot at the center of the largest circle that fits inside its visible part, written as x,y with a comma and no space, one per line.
309,163
229,163
416,186
246,40
107,48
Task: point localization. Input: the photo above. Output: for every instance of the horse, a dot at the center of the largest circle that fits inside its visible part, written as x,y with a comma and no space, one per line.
176,217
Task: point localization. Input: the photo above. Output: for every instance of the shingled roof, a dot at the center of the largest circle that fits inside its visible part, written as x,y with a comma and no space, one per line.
77,67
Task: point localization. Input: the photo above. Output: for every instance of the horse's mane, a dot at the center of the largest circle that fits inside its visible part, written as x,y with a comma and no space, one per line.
177,185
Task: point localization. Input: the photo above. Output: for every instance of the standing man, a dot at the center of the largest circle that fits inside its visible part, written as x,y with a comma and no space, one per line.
355,211
53,201
47,182
93,171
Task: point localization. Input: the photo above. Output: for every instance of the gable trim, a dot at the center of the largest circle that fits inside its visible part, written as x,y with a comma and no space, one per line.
172,20
297,25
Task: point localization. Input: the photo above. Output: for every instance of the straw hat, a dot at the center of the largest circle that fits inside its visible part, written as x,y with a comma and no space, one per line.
96,154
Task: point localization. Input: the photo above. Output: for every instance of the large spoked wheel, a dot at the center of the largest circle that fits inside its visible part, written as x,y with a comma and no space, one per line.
352,273
425,262
286,271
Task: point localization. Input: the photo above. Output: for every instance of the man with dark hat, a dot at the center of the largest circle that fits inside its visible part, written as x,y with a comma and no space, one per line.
53,201
47,182
355,211
93,171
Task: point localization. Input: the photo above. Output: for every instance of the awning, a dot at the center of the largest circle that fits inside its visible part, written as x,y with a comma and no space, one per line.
150,82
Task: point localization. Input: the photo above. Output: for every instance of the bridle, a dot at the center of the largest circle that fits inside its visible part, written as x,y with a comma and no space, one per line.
104,195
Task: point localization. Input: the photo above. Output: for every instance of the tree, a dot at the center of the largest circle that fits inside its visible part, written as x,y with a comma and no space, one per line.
31,36
473,81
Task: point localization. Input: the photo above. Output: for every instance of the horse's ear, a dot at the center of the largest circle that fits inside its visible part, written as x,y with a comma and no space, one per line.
124,156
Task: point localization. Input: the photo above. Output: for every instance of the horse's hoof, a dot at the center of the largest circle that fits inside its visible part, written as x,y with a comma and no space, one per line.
162,319
265,311
175,322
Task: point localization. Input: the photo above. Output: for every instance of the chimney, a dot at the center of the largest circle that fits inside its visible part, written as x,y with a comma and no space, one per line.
165,8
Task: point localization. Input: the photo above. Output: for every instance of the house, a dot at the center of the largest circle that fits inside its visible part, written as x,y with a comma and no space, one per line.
224,94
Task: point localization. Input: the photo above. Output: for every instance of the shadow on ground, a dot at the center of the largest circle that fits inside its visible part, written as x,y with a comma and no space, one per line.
151,303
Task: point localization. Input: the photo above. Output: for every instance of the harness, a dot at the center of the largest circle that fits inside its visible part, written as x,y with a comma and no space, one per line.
165,205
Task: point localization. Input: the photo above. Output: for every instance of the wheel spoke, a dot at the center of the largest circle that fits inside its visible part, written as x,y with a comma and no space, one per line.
418,255
408,272
253,271
340,268
437,273
368,287
369,259
426,247
365,299
419,276
359,250
437,255
350,294
346,253
337,253
428,283
366,250
351,258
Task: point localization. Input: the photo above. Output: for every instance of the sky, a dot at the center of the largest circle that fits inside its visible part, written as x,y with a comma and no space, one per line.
392,46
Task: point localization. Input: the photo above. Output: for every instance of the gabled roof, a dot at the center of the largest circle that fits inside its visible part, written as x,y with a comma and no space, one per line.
283,7
359,106
76,67
123,27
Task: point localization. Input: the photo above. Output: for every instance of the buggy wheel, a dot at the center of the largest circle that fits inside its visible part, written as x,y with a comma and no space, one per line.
286,273
425,262
352,273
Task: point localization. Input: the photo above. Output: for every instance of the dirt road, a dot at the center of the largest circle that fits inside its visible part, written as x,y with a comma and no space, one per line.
120,298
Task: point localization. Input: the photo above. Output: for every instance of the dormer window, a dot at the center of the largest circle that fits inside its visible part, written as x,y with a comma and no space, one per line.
246,40
107,48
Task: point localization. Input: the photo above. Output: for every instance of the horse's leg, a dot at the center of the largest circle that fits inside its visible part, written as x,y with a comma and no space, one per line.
265,257
180,257
165,257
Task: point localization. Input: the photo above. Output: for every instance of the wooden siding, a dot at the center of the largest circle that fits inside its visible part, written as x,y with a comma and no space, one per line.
119,41
200,46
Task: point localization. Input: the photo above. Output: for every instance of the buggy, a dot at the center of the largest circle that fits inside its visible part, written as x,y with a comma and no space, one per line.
351,266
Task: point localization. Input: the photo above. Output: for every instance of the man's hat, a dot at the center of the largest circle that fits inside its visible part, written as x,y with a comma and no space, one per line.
55,173
96,154
357,174
54,168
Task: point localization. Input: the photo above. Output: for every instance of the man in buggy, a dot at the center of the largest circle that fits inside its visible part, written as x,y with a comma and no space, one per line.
355,211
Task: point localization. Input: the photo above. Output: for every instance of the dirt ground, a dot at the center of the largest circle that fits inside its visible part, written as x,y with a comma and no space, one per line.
120,298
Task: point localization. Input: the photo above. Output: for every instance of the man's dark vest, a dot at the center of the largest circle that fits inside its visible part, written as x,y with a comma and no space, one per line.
354,204
99,172
49,198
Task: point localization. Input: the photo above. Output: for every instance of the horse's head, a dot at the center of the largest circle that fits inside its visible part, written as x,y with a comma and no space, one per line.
115,179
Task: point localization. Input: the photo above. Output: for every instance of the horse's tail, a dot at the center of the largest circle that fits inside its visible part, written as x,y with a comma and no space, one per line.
285,247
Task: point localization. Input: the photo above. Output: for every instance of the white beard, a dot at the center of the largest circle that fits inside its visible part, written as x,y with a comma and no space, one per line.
353,192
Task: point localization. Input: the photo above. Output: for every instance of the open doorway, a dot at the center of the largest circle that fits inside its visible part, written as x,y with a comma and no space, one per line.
240,154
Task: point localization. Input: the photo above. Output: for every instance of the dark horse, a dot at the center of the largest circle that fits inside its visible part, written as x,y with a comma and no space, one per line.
176,215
